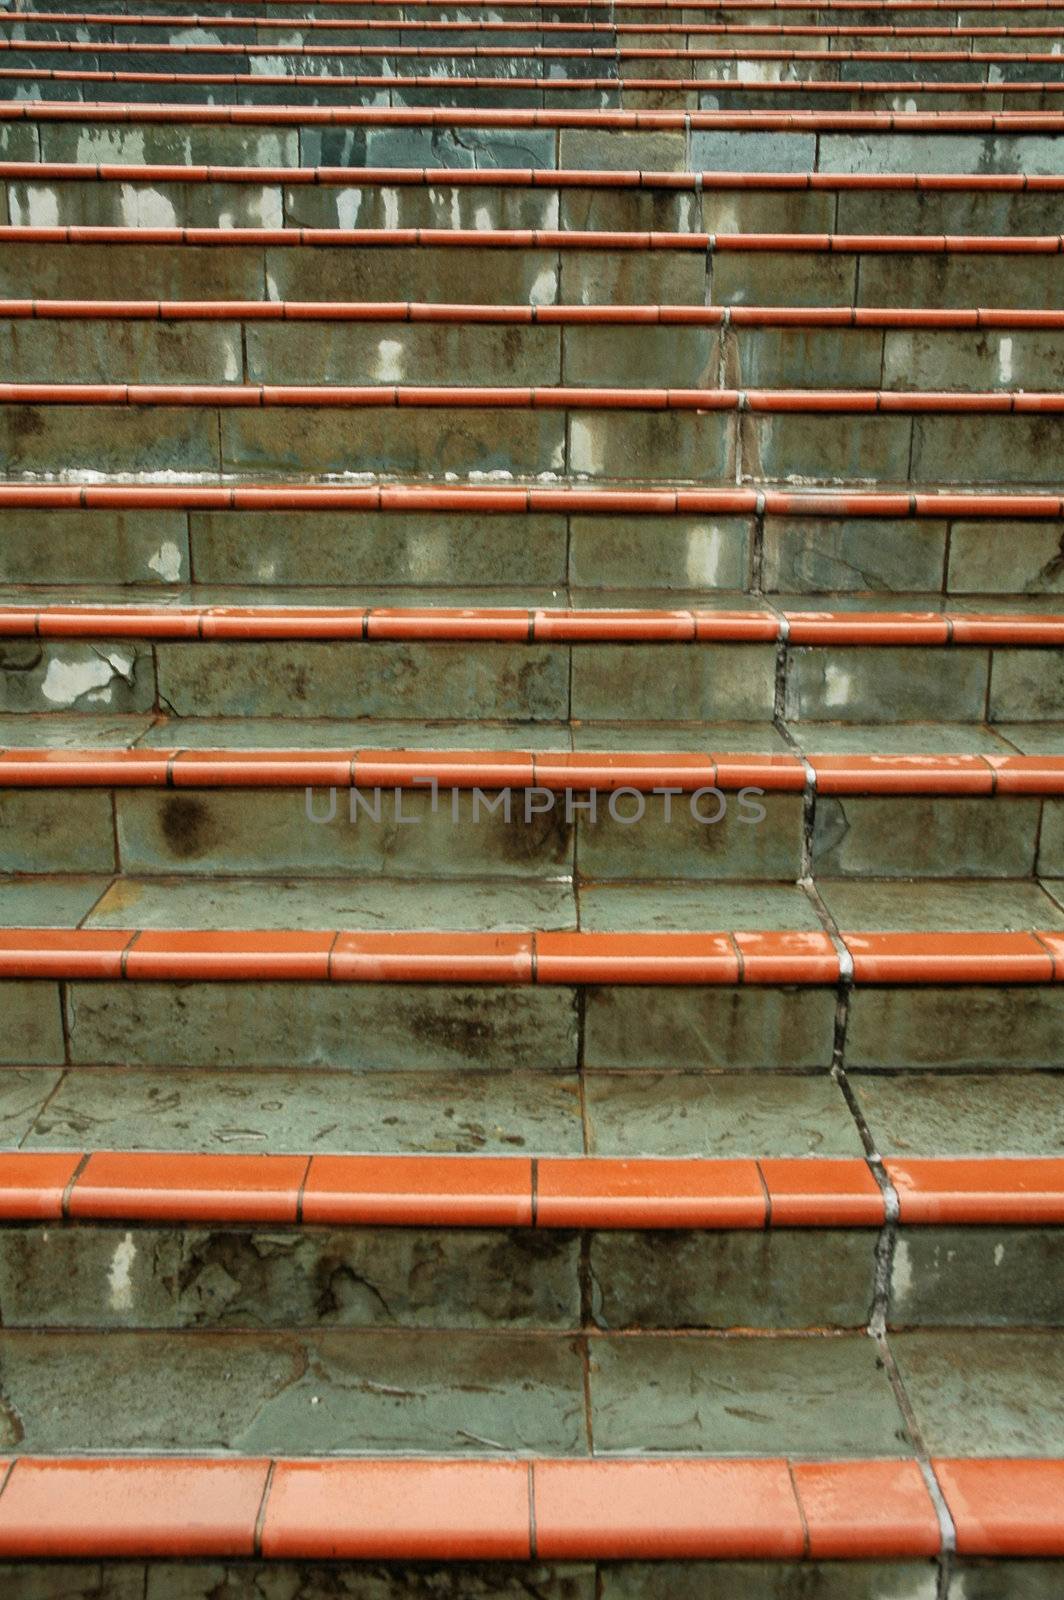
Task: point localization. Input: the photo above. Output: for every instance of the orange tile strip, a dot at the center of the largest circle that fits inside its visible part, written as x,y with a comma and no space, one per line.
505,1509
772,956
519,625
522,1191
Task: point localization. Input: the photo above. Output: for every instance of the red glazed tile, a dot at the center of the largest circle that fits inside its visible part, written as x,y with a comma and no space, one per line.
284,622
598,1192
441,623
401,1510
1017,774
948,958
1054,945
642,770
811,1192
659,625
982,628
207,954
163,1186
83,768
436,1191
990,1189
18,622
907,774
33,1182
866,627
735,625
759,772
62,952
119,622
787,958
1005,1508
867,1510
636,958
126,1507
261,769
433,958
458,769
666,1510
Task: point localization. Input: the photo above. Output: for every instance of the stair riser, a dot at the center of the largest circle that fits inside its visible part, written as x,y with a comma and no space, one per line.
535,682
440,1028
270,833
165,203
715,448
349,551
985,360
184,1276
702,150
258,89
448,274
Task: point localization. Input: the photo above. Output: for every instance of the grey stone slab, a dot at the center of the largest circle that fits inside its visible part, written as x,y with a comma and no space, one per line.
977,1277
76,675
963,1114
435,1027
743,1396
717,1114
785,1278
975,1027
762,1580
752,1029
294,1394
438,1110
985,1392
482,906
90,546
98,1277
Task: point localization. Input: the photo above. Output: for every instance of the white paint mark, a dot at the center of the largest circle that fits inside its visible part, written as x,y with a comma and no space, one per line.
167,561
1005,360
837,685
999,1254
391,361
903,1271
119,1281
705,547
91,678
545,288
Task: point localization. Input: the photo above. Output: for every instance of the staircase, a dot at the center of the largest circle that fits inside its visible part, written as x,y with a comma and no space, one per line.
532,800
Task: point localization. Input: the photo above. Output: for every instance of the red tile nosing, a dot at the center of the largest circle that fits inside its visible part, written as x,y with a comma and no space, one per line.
1002,1190
506,1509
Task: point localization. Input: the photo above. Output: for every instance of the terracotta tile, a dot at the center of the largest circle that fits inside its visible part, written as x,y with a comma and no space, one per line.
18,622
1005,1508
261,769
867,1510
1054,944
119,622
1017,774
759,772
787,958
62,952
596,1192
734,625
630,625
811,1192
991,1189
83,768
125,1507
32,1183
441,623
460,769
433,958
642,770
284,622
437,1191
666,1510
982,628
636,958
208,954
866,627
908,774
149,1186
947,958
403,1510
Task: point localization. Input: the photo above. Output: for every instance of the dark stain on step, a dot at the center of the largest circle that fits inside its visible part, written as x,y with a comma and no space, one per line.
188,826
